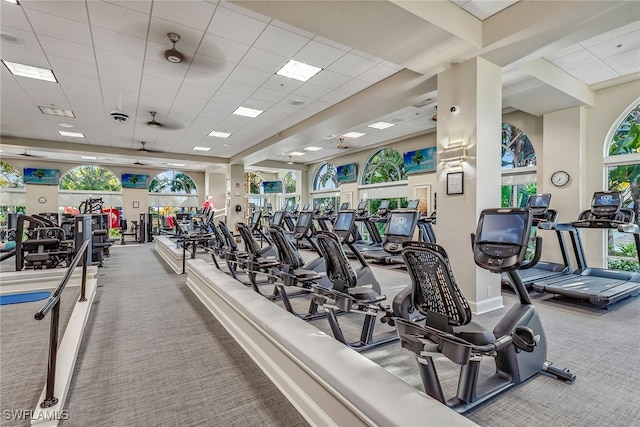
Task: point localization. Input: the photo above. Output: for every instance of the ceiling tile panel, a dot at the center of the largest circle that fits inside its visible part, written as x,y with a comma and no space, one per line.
60,28
12,17
247,12
249,76
119,61
195,14
593,72
73,66
329,79
629,69
616,46
311,91
118,19
623,59
238,88
319,54
268,95
576,59
332,43
609,35
282,84
280,41
224,49
334,97
378,72
352,65
66,49
27,57
203,80
236,26
75,10
142,6
262,60
210,67
354,86
117,42
165,70
25,40
155,52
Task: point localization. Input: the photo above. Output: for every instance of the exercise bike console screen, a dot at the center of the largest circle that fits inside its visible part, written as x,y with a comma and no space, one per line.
539,203
255,219
413,204
362,205
401,226
606,203
501,239
277,217
500,228
344,222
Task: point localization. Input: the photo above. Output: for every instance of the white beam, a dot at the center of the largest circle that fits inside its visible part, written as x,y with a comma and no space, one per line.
559,79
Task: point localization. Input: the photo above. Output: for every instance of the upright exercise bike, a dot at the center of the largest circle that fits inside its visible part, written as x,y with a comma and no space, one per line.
517,343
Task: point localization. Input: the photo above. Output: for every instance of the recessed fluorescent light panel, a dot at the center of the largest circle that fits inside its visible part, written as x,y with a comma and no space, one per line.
247,112
219,134
29,71
65,125
88,157
71,134
313,149
12,1
198,148
176,164
57,112
298,71
381,125
297,153
354,135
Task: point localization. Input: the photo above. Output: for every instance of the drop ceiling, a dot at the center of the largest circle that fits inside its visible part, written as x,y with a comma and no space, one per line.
379,60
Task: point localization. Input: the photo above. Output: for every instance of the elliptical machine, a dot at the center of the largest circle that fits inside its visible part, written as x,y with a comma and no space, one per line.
517,343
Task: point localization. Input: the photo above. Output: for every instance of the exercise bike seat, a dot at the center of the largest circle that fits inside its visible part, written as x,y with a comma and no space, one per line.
362,293
474,333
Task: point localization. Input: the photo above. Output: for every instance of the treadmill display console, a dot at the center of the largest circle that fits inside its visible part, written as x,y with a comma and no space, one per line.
413,204
304,219
606,203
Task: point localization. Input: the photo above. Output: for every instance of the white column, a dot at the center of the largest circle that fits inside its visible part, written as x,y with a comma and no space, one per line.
474,88
235,194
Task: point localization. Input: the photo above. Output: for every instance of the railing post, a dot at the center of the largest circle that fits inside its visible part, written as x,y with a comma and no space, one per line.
84,277
184,256
50,399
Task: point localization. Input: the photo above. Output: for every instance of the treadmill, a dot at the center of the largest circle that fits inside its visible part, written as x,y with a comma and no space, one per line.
544,219
599,286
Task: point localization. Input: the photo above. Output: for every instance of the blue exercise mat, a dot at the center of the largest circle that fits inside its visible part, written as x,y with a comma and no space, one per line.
25,297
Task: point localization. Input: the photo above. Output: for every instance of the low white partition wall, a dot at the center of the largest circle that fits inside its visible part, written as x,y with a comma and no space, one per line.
328,383
69,345
169,251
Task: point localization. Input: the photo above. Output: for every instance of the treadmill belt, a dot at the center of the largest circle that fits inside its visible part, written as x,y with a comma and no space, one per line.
597,290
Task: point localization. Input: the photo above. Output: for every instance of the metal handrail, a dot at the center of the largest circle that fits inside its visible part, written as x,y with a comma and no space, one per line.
53,303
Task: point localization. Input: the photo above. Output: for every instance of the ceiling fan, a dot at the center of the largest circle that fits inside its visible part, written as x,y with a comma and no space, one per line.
172,55
342,145
153,123
144,148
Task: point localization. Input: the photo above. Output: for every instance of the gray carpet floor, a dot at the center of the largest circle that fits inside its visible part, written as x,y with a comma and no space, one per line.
153,355
24,346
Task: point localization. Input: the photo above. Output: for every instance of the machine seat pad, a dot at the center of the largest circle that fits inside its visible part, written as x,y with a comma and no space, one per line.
303,274
37,257
474,333
363,293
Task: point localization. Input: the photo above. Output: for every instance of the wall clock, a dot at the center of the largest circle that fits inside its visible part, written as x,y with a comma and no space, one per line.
560,178
42,200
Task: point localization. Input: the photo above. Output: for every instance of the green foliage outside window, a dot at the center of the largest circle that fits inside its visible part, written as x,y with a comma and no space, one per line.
326,178
626,140
90,177
387,165
290,183
10,177
517,150
172,182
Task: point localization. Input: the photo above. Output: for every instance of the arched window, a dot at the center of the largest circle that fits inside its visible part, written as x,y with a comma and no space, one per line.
387,165
517,152
13,196
326,178
172,182
289,182
325,183
89,181
623,172
254,183
10,177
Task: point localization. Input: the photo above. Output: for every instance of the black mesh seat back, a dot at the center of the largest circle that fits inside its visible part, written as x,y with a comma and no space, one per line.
287,253
339,270
231,242
250,244
434,287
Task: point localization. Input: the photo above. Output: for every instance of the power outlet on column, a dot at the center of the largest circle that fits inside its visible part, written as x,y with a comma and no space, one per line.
489,291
